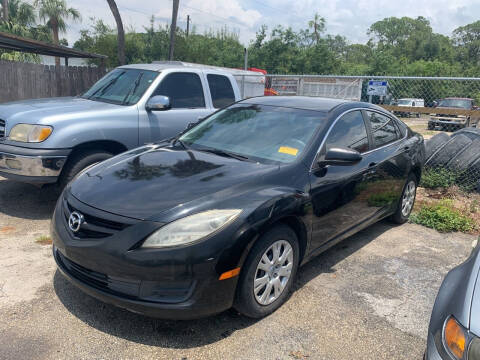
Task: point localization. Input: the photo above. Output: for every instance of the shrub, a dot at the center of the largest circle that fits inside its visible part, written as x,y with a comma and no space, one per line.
443,217
438,178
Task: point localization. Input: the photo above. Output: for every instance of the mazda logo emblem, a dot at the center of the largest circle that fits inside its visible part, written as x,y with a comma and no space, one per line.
75,221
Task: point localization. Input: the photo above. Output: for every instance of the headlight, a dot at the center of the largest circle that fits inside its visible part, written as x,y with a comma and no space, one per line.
30,133
191,228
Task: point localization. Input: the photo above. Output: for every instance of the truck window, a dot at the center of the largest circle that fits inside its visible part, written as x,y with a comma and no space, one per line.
184,90
221,90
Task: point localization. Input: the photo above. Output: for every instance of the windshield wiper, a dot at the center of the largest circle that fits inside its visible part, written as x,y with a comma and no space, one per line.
177,139
133,89
227,154
104,88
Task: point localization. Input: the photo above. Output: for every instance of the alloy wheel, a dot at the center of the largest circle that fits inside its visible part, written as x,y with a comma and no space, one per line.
408,198
273,272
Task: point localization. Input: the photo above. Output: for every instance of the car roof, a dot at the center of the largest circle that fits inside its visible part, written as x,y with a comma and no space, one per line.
299,102
458,98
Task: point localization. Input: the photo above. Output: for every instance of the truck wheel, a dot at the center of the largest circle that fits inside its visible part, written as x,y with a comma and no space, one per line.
79,162
432,145
268,273
449,151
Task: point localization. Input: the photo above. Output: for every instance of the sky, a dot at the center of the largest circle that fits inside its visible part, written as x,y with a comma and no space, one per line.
350,18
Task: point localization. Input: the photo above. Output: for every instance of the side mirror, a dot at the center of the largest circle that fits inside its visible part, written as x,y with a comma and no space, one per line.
158,103
340,156
435,104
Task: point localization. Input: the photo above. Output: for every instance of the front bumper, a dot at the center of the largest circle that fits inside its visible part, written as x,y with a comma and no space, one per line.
180,283
31,165
432,352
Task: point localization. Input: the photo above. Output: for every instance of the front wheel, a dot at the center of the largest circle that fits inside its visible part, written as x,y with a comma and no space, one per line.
268,273
79,162
405,205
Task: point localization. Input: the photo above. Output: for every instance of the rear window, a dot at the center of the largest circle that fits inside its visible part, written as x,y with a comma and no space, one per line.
221,90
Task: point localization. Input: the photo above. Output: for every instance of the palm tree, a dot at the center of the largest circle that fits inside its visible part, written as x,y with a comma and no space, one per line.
121,32
55,12
318,25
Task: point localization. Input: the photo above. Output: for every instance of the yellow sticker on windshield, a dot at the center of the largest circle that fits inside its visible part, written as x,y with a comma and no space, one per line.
288,150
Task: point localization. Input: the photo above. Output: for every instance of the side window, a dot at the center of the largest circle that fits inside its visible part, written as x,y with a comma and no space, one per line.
349,131
384,130
184,90
221,90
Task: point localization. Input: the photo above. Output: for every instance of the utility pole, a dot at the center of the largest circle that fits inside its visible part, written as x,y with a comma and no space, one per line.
5,10
188,24
173,28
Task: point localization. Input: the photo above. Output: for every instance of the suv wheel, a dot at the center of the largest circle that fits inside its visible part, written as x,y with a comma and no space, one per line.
79,162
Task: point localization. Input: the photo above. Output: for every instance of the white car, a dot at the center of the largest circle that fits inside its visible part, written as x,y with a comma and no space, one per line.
409,102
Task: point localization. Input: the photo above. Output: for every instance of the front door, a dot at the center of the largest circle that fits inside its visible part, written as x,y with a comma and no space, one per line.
187,98
339,194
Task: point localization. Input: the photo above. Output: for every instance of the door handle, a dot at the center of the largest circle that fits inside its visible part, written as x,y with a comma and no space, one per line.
406,148
372,164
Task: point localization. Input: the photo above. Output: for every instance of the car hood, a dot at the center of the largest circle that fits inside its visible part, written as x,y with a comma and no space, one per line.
49,111
144,183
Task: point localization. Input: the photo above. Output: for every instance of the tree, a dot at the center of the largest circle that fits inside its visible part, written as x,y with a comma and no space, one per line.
120,31
318,26
173,28
55,12
467,40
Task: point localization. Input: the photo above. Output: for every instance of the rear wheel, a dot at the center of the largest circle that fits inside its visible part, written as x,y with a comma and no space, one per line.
268,273
405,205
79,162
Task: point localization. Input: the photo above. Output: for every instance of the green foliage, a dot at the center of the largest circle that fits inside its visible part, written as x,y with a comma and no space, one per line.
443,217
434,178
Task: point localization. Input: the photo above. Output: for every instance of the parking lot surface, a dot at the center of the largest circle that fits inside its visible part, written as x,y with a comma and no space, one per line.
369,297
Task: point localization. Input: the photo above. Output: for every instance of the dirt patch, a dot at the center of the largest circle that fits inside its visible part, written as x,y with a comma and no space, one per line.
44,240
7,229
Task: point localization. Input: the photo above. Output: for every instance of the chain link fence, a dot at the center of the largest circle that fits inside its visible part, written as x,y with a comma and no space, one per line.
433,106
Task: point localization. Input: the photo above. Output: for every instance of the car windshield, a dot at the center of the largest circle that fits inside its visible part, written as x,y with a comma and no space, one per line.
456,103
404,102
258,132
121,86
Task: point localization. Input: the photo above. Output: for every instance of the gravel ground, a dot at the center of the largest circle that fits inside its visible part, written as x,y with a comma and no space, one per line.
369,297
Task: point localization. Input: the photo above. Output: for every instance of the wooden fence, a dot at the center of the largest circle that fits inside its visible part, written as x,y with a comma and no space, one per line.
20,81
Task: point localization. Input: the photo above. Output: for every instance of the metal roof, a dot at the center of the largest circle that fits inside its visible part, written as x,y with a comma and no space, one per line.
18,43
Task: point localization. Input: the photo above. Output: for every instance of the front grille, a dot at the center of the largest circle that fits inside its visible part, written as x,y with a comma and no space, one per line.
94,227
2,129
98,280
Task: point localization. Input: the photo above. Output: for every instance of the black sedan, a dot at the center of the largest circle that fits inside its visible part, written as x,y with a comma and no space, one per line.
454,331
224,214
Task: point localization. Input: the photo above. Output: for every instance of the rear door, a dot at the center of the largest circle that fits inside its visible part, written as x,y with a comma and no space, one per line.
389,161
189,100
221,89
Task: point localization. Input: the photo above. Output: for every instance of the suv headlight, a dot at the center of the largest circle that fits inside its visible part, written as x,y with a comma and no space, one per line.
191,228
30,133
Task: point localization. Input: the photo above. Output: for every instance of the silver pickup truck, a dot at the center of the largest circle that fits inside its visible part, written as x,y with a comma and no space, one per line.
51,140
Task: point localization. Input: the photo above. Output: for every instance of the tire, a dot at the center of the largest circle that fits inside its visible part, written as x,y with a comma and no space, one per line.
449,151
79,162
435,143
400,216
466,157
245,300
472,133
